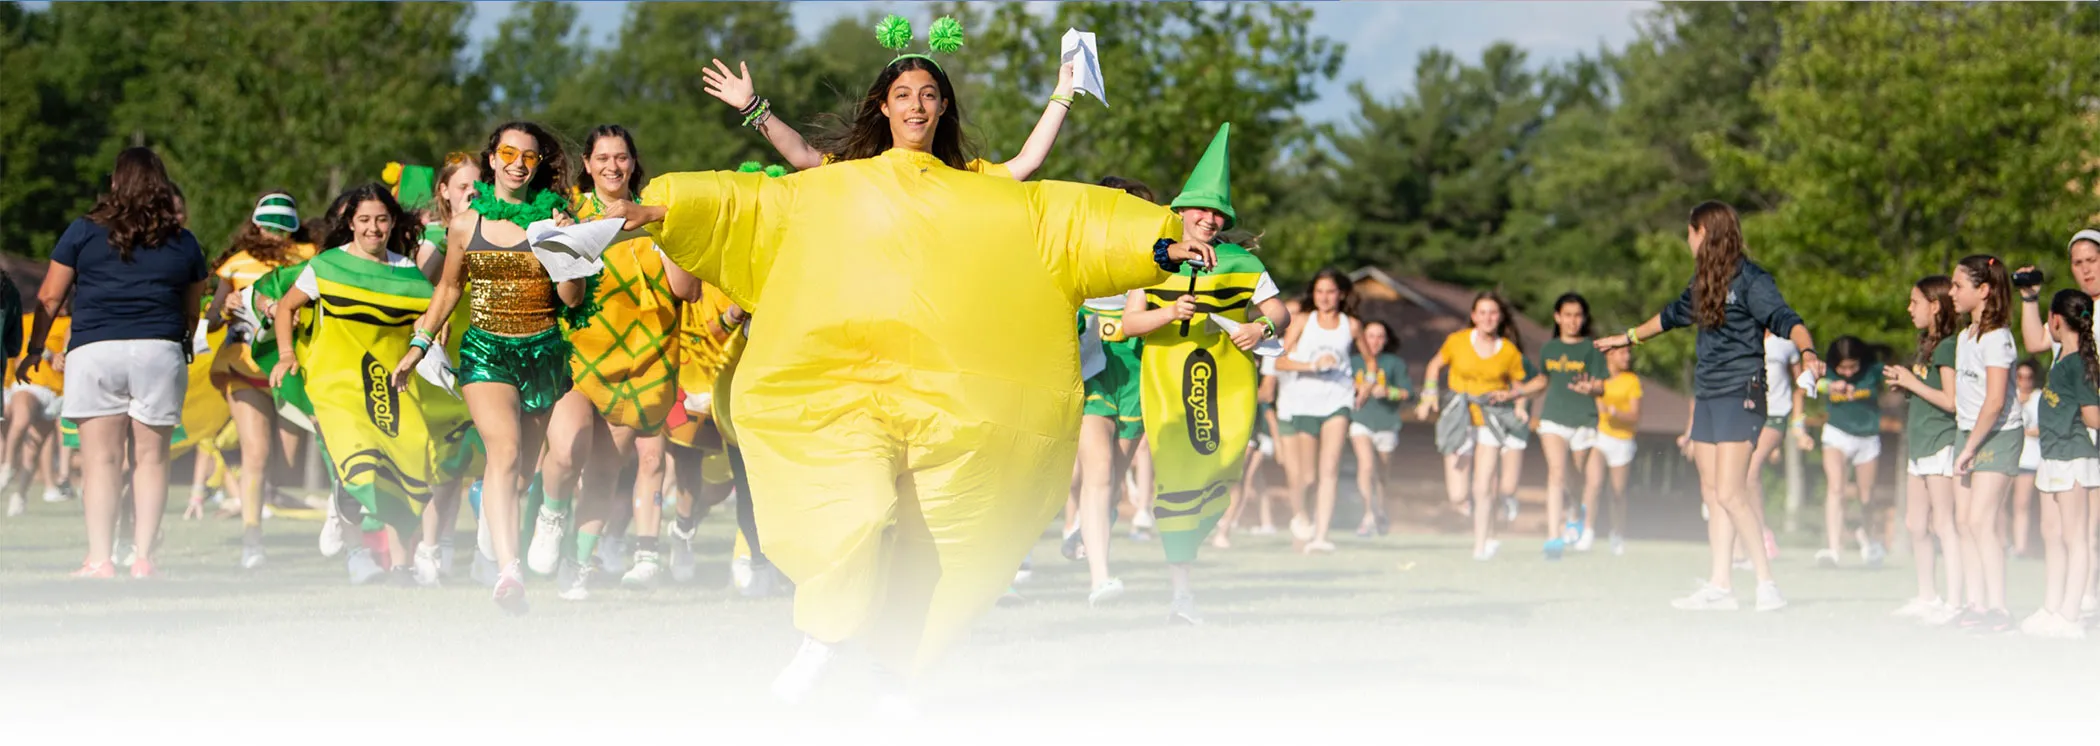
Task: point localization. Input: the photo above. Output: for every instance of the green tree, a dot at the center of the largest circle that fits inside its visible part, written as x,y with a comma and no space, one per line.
537,53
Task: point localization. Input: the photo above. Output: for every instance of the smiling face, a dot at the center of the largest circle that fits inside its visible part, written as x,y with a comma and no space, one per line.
610,165
1569,318
914,105
1375,336
370,225
1201,224
1487,315
1327,297
516,159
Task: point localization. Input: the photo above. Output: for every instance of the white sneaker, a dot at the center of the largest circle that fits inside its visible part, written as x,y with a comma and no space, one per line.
53,494
332,530
363,568
1618,545
612,554
2065,629
251,555
1027,570
1587,540
1182,610
1301,529
683,564
573,581
125,552
1509,508
1939,615
648,569
1873,554
547,533
1109,590
740,572
445,556
429,567
1707,598
1826,558
1488,553
801,675
1768,598
16,506
1916,608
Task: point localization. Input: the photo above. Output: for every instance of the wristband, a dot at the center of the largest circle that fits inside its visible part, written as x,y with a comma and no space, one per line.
1159,257
421,334
1633,336
1268,328
420,343
1056,98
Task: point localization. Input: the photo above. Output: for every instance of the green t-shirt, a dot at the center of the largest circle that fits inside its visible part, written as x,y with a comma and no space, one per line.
1563,362
1382,414
434,234
1930,428
1858,413
2063,431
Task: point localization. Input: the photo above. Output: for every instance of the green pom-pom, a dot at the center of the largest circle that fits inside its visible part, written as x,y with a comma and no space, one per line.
776,171
946,36
893,32
748,167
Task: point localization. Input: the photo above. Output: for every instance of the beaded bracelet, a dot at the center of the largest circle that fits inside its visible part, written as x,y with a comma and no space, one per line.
758,113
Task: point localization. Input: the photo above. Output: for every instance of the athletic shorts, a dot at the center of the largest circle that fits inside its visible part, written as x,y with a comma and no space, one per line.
1383,441
2064,476
47,401
1858,449
1939,464
2000,452
145,379
1512,441
2031,454
1617,452
1578,438
1731,418
1115,392
1265,444
1776,424
1306,424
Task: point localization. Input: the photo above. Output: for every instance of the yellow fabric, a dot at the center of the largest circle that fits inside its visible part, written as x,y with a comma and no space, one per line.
243,269
719,402
1471,374
701,357
625,357
232,367
379,437
1198,394
45,375
1621,392
909,402
204,410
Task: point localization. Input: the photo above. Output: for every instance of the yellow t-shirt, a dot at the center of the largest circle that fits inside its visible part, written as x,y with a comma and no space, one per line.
1621,392
1469,373
54,341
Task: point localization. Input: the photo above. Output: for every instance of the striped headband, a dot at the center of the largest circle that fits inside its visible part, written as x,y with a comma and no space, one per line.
276,211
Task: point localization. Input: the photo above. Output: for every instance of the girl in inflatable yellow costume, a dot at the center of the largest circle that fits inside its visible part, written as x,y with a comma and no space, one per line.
905,458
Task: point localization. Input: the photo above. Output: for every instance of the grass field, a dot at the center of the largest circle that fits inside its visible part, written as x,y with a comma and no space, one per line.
1404,627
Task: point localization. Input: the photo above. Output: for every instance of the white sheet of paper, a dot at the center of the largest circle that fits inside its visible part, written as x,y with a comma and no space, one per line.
246,313
199,345
572,251
1092,359
1264,348
436,367
1807,383
1078,48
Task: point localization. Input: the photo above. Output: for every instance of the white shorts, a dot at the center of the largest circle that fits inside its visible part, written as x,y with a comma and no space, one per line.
142,378
1384,441
1939,464
1484,434
47,401
2031,455
700,402
1617,452
1265,444
2064,476
1579,438
1857,449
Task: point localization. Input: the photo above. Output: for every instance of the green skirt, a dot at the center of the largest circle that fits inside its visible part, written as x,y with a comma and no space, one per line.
537,366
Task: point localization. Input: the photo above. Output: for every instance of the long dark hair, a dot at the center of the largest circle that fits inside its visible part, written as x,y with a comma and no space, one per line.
553,171
1720,252
407,228
1849,347
1347,305
636,177
1986,270
1935,288
1135,188
1392,343
2076,308
1578,300
139,208
1507,329
868,135
264,245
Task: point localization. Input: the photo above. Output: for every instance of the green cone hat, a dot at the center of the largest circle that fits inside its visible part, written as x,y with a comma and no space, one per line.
1210,185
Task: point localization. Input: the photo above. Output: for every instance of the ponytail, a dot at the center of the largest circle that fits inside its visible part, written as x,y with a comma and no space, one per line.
2076,308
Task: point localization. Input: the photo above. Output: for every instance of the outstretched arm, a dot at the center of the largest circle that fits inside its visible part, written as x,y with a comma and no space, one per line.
2034,333
735,89
1037,149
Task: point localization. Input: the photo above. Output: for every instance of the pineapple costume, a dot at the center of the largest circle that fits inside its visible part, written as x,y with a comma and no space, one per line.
624,354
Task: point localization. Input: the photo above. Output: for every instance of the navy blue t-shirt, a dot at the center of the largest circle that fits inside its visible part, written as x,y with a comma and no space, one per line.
141,299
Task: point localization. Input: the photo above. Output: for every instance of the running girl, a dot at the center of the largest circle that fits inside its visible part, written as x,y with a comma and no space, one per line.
1618,414
1374,427
1567,422
1314,404
1479,421
1851,437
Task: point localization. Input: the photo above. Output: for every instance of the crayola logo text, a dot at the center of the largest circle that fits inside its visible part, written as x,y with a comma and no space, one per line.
1199,379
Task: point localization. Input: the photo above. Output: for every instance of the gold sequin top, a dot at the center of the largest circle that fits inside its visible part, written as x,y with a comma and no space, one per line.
510,293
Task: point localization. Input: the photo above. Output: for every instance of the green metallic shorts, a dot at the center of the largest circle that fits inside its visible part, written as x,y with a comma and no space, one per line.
537,366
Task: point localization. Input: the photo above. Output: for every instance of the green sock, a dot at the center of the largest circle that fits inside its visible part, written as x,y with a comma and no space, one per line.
586,546
557,506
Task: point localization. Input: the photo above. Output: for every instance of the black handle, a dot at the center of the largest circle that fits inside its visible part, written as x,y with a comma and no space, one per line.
1192,291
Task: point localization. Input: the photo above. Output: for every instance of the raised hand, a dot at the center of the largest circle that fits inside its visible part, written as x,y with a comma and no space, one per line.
733,89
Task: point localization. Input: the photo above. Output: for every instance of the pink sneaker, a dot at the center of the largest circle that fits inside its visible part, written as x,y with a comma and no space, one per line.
141,569
96,571
510,590
1771,546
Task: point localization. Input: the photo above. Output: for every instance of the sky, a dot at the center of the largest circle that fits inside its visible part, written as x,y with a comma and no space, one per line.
1383,38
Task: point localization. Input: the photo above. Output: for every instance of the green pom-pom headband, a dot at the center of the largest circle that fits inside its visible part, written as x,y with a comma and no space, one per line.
894,33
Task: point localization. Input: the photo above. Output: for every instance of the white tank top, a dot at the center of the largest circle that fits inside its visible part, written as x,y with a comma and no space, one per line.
1309,394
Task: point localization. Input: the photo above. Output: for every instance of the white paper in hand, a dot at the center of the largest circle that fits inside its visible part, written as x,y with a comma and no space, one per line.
1807,383
1092,359
199,345
246,313
572,251
1078,48
436,367
1264,348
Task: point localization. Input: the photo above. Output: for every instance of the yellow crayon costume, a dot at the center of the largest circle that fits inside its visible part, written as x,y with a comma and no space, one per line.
908,402
1198,389
623,352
